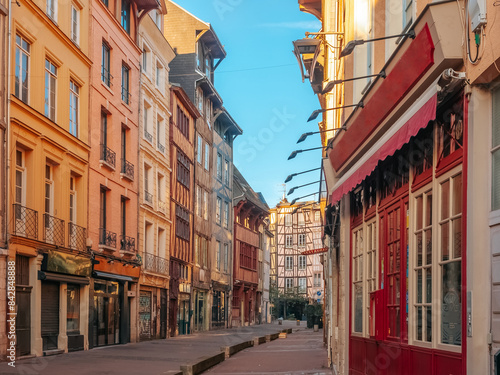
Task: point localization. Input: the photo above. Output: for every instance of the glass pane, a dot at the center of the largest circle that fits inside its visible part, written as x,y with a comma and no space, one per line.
428,285
419,286
428,210
391,258
391,289
445,200
445,241
495,177
457,238
419,249
419,208
358,308
457,195
73,314
398,292
419,323
451,312
428,246
496,118
398,257
428,328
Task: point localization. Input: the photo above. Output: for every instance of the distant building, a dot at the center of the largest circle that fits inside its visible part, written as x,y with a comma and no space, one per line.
250,211
298,245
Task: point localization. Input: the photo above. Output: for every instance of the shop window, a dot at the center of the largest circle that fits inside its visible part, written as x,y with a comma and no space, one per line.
73,314
450,129
450,259
357,280
423,266
371,257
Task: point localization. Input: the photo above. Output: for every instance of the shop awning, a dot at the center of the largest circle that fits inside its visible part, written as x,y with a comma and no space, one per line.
112,276
407,126
63,278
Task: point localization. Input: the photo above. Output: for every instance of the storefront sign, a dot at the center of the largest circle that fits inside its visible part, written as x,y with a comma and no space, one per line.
55,261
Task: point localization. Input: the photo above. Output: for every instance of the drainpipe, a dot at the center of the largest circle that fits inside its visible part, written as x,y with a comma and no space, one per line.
7,130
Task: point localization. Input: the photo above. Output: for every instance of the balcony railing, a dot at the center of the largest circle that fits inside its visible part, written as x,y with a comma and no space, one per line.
148,197
148,135
108,156
126,95
155,264
128,169
162,206
127,243
25,222
53,230
107,238
77,236
161,147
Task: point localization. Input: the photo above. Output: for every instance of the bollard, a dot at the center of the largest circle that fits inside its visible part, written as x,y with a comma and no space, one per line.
316,328
298,322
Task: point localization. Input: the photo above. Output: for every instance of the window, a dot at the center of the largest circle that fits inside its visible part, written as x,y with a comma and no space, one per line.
160,134
302,285
288,220
125,83
302,239
148,238
207,157
199,100
289,240
72,200
50,90
182,223
148,197
218,210
160,78
450,259
226,257
156,17
183,170
407,13
73,309
105,72
52,9
199,149
49,189
317,216
146,58
208,66
105,2
205,205
196,249
371,257
75,24
495,152
226,214
218,256
288,285
74,104
423,266
161,248
226,172
20,178
317,280
208,111
300,219
182,122
125,19
147,118
248,256
289,263
302,262
123,222
219,166
102,215
357,280
161,188
22,65
198,198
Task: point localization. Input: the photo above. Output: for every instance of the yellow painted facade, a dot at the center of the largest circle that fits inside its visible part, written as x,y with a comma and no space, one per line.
48,164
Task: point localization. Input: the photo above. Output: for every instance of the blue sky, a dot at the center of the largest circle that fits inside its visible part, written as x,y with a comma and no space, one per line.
261,86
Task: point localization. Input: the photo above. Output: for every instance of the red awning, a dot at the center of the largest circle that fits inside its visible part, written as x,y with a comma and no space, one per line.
315,251
410,129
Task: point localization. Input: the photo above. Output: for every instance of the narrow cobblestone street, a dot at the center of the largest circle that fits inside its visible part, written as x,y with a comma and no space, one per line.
166,356
300,353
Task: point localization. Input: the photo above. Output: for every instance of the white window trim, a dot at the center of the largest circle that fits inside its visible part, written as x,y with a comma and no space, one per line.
354,281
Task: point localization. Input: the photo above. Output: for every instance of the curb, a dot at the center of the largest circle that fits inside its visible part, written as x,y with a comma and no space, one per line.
203,365
233,349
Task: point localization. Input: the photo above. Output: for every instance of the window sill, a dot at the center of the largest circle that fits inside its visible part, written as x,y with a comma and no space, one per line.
126,177
494,218
108,88
103,163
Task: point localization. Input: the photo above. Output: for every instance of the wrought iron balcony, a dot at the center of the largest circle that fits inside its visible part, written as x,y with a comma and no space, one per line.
161,147
77,236
155,264
107,238
126,95
127,243
53,230
148,135
108,156
128,169
25,222
148,197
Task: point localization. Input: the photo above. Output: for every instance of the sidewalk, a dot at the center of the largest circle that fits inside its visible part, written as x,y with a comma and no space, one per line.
150,357
302,352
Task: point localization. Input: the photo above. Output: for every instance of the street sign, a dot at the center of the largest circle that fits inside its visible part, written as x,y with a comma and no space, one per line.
319,300
318,292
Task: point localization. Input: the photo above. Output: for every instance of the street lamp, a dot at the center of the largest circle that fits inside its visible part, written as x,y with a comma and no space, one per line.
349,47
294,153
306,46
315,114
305,135
304,196
292,190
329,85
290,176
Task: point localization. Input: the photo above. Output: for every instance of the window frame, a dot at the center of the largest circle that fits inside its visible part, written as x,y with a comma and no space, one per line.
106,76
22,58
50,90
288,263
75,23
74,108
125,92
